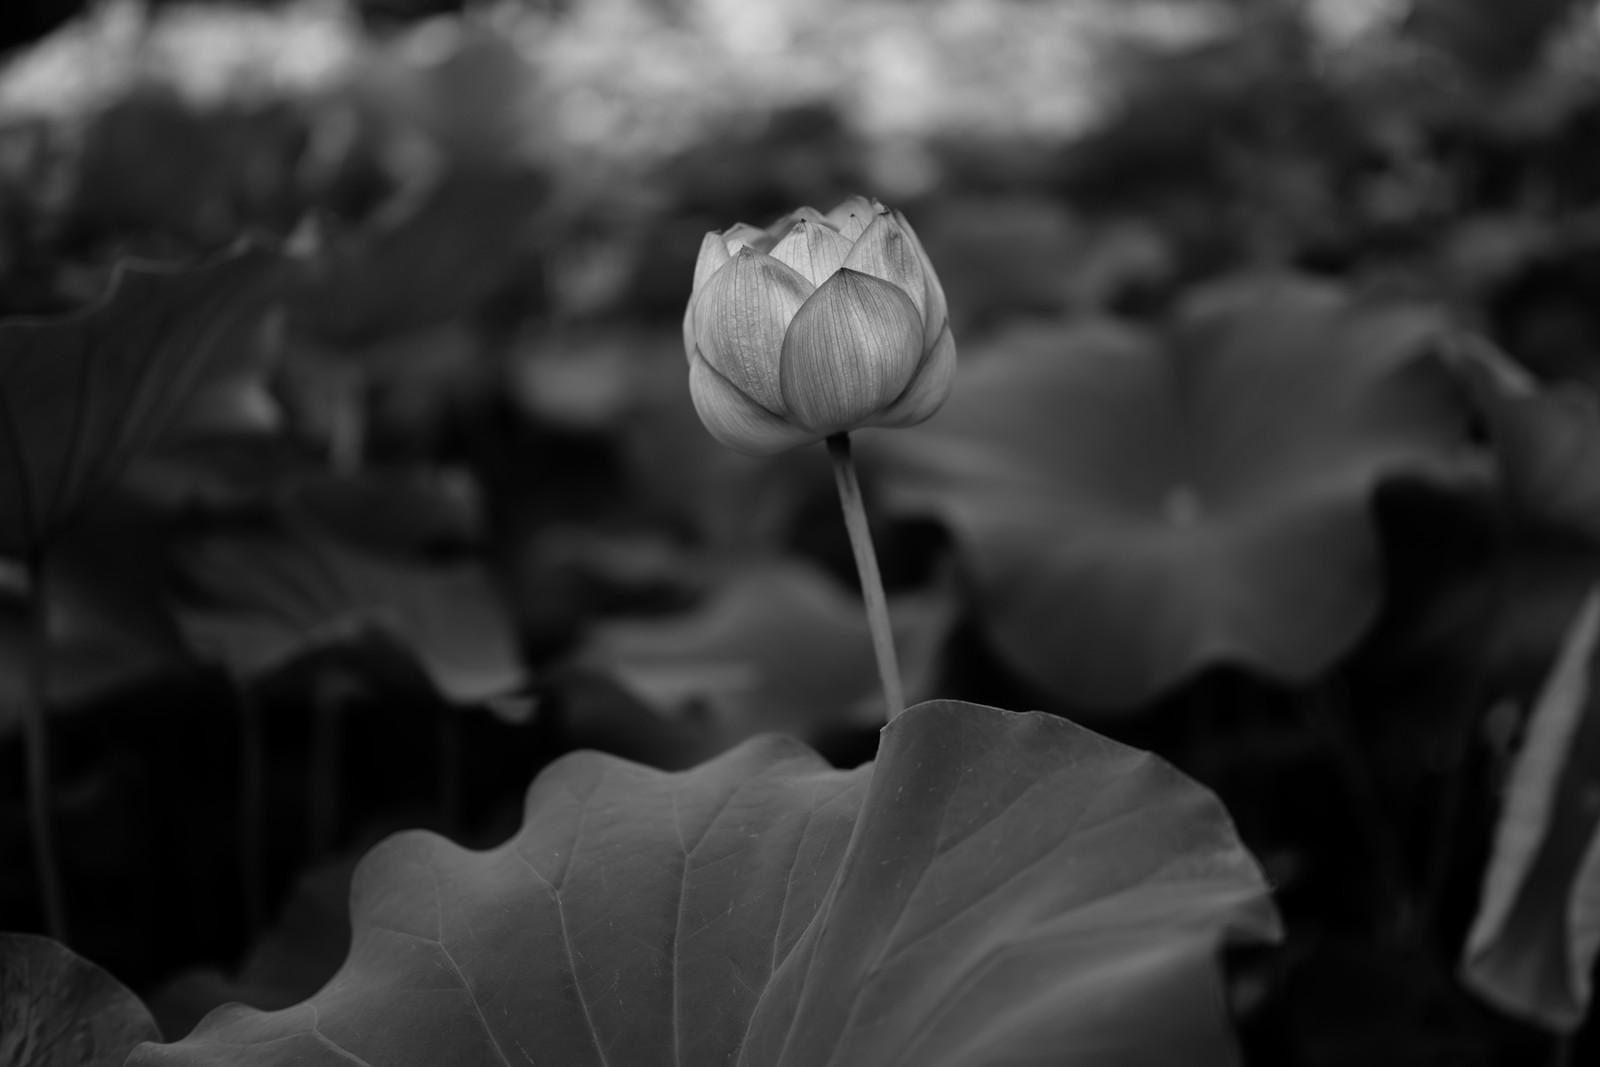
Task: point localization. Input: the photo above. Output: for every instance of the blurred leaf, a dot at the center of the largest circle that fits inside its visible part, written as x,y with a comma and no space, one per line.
1000,888
780,647
466,87
258,601
59,1010
737,505
439,260
110,626
397,512
220,470
1547,442
1494,39
1530,600
1483,252
597,379
153,163
400,386
1135,509
82,395
1532,948
1005,254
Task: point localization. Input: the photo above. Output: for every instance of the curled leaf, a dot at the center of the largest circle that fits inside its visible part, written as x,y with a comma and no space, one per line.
256,602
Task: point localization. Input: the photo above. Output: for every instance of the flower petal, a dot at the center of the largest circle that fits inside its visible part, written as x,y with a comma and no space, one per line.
814,249
740,318
850,351
713,254
884,251
936,313
929,388
734,419
742,234
852,217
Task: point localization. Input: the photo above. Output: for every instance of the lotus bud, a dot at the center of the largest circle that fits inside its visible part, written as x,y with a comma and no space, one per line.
817,325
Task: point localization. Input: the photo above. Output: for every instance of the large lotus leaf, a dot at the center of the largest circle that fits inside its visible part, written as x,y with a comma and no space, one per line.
1533,945
258,601
780,648
81,396
1137,507
59,1010
999,888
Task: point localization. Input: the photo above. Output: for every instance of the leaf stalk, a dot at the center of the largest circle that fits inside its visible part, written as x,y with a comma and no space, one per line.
37,741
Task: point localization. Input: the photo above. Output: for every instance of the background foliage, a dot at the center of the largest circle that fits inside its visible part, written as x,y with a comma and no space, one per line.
1272,452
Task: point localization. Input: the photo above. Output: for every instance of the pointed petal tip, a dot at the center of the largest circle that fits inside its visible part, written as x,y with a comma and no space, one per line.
885,251
713,254
854,215
814,249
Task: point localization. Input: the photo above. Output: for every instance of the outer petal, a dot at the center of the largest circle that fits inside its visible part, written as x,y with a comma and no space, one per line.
851,350
740,318
884,251
852,217
815,249
734,419
713,254
929,387
937,311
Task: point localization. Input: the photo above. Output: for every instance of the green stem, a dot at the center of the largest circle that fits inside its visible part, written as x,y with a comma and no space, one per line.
327,726
1470,704
1326,709
855,520
252,785
37,739
348,433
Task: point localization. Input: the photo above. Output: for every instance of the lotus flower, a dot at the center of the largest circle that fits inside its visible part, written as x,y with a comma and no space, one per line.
816,326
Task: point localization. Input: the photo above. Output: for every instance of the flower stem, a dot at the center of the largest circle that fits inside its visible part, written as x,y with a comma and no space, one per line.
855,520
35,727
